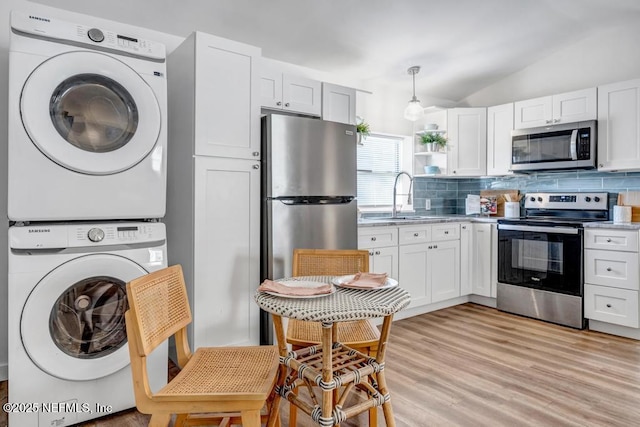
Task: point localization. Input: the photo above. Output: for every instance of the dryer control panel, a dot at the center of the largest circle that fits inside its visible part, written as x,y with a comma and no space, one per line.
60,236
41,26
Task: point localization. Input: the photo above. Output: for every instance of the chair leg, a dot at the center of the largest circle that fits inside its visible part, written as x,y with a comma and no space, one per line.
180,419
159,420
373,417
250,418
293,412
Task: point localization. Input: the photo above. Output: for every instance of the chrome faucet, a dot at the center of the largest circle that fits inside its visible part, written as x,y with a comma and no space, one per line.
394,209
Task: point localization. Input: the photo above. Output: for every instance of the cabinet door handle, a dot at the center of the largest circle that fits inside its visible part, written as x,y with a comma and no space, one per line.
556,120
547,121
255,153
446,232
256,166
608,268
278,103
600,165
454,171
415,234
286,105
435,246
608,240
371,253
373,239
464,227
608,305
377,252
430,247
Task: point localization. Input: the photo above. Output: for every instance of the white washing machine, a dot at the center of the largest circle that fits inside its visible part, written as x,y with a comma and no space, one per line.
87,123
68,353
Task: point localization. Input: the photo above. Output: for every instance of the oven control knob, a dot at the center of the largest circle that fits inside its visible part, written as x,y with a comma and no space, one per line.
596,199
587,199
95,235
533,199
540,199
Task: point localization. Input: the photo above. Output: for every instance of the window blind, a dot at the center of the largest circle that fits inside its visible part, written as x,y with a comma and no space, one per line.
378,165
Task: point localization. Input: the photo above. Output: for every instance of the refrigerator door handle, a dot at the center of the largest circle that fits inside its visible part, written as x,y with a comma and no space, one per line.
315,200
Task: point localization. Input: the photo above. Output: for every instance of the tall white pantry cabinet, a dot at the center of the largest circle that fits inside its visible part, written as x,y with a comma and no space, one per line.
213,200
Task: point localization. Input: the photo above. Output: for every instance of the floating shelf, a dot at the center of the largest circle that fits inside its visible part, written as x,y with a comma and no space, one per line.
422,132
429,153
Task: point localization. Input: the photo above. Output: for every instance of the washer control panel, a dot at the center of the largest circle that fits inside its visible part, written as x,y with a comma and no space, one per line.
52,28
60,236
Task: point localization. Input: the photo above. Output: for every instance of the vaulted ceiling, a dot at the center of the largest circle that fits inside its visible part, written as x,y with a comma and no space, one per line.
461,45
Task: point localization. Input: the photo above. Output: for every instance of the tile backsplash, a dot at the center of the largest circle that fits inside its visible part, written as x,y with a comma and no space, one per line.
447,195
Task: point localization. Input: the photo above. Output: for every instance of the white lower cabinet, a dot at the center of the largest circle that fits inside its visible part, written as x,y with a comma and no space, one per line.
612,277
382,244
430,270
466,255
481,260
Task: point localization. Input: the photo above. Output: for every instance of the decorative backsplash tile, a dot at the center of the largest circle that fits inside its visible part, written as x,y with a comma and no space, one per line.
447,195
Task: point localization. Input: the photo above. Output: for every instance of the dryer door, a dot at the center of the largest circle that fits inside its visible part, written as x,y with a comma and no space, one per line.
72,324
90,112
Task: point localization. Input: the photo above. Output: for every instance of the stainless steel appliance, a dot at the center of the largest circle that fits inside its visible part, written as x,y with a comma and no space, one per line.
308,192
540,256
562,146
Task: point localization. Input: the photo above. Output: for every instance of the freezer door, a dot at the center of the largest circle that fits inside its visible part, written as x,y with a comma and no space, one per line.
319,226
309,157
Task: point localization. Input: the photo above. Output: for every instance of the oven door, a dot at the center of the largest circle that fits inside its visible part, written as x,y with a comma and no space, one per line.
541,257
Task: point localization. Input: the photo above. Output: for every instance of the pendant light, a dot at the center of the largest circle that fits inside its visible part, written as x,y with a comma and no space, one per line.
414,110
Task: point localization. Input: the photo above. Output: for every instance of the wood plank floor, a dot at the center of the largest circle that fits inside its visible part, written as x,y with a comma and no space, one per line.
472,365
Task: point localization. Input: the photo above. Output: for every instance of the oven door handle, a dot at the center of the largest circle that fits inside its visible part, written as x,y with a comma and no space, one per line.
533,228
574,144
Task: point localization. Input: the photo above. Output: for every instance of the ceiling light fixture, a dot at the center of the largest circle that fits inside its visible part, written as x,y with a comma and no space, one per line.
414,110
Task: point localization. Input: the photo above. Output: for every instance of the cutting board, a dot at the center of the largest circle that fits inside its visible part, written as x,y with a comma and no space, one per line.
631,198
499,194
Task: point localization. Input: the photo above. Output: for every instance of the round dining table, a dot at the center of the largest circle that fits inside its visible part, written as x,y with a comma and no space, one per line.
334,368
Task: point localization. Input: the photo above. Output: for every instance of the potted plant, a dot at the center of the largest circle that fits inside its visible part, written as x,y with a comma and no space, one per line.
433,141
363,130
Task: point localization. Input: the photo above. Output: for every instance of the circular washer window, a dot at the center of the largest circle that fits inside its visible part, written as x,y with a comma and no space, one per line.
91,113
60,326
94,113
87,321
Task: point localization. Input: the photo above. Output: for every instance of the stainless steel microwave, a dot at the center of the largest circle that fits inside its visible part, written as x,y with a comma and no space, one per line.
562,146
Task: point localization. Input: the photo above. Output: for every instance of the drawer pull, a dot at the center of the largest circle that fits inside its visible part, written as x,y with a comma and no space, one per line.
435,246
608,268
373,239
377,252
371,253
609,240
608,305
415,234
446,232
430,247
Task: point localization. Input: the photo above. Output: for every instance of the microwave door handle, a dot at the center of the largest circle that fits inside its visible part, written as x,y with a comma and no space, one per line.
574,144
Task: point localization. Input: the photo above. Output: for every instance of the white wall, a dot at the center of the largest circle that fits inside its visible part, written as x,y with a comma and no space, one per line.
610,56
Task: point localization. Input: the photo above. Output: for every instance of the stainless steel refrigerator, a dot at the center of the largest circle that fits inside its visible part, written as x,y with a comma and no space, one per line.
308,192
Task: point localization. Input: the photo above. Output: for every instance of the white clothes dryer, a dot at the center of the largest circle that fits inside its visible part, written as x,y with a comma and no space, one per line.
87,123
68,353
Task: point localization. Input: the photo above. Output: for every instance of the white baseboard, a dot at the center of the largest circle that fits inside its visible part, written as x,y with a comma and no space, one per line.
4,372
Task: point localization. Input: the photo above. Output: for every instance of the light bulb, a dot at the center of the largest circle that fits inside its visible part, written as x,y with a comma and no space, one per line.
414,110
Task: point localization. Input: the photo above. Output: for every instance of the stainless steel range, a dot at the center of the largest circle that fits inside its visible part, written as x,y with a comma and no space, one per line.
540,256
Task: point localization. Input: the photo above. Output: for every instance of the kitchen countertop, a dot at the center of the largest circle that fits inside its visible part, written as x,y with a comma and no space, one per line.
611,225
380,221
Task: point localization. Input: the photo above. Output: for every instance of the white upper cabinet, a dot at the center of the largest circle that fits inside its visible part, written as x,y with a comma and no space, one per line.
567,107
499,127
467,133
619,126
227,114
281,91
338,104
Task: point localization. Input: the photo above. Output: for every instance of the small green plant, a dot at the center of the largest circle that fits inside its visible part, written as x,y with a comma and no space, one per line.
433,138
363,129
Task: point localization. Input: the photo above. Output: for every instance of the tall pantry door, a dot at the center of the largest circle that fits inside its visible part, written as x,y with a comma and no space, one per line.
226,252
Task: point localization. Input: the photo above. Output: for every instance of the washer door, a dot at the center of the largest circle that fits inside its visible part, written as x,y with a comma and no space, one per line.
90,113
72,324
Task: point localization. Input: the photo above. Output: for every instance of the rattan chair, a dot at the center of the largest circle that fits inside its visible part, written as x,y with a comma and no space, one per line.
231,384
361,335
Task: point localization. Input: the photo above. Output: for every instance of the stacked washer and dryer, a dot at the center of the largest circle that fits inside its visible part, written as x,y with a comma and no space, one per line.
87,186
